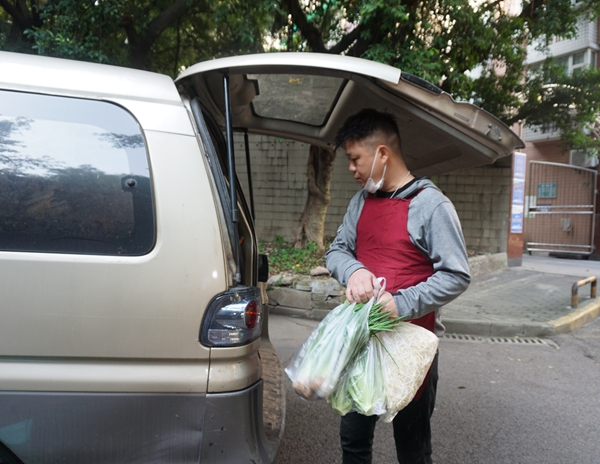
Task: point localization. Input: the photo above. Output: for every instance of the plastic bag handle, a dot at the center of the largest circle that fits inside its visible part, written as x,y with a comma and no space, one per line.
379,288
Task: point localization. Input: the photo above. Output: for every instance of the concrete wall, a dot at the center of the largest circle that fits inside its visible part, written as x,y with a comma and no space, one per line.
279,184
547,151
481,195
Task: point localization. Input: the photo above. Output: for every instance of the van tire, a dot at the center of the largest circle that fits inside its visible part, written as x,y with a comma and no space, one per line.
7,456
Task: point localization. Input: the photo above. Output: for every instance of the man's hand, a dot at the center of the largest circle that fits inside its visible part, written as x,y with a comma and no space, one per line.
361,285
391,305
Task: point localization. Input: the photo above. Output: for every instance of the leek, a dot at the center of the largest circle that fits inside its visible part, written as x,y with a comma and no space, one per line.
316,369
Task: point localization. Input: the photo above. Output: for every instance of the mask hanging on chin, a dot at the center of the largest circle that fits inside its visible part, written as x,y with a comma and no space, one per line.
370,185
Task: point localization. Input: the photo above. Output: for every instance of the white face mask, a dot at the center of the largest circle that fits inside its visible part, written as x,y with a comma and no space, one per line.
370,185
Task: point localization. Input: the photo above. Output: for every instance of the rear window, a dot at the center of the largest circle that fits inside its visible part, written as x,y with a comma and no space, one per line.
74,177
298,98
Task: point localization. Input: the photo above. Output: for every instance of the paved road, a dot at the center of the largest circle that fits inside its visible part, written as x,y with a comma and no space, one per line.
584,342
572,267
497,403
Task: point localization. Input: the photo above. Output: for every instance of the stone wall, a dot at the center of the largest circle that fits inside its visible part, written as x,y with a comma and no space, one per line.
481,195
310,297
315,297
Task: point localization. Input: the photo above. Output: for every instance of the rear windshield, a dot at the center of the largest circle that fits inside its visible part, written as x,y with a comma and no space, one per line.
299,98
74,177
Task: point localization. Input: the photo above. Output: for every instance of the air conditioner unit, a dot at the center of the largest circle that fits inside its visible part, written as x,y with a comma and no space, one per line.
582,159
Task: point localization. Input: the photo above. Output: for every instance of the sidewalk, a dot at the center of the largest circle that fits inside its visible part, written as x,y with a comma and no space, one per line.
533,300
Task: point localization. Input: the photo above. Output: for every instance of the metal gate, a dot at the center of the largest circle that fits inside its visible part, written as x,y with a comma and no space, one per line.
560,208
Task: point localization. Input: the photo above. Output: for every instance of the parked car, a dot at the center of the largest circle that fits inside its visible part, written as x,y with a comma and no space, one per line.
132,327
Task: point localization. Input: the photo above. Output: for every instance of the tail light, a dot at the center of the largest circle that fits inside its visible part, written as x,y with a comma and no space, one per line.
233,318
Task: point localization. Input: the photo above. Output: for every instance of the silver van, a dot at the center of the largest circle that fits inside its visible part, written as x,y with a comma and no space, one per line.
132,327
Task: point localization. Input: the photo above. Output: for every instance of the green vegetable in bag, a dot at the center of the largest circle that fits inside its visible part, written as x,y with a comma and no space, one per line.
317,367
363,387
340,400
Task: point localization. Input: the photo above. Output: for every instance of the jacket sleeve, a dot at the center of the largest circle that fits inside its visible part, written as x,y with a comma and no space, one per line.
440,238
341,256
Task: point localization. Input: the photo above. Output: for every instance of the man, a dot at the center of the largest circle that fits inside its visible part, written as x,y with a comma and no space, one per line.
404,229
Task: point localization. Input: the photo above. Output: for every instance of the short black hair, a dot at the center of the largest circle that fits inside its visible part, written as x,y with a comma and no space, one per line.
366,123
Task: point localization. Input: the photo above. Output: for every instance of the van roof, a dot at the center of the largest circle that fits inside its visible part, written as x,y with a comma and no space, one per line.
90,80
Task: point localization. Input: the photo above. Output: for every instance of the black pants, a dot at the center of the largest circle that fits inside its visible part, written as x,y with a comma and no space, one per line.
412,430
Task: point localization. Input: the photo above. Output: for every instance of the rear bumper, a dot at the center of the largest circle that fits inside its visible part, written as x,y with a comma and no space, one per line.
41,427
233,428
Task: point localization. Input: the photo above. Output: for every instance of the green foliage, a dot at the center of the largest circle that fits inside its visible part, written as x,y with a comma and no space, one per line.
278,240
73,29
239,27
140,33
570,104
475,51
284,257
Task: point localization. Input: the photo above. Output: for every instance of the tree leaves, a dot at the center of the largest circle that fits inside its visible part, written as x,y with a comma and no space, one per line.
474,51
569,104
159,35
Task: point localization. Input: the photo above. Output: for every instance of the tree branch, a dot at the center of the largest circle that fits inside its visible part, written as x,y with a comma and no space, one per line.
12,10
167,17
529,10
19,12
141,43
132,35
347,40
308,30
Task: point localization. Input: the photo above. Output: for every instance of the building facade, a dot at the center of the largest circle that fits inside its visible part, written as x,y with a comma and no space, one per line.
575,54
553,191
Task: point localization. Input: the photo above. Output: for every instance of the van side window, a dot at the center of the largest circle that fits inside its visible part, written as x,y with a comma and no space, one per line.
74,177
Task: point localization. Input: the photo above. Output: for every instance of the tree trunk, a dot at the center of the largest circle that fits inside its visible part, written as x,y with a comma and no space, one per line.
140,44
22,18
312,222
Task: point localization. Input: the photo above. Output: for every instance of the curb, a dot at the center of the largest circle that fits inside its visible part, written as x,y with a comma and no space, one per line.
308,300
565,324
315,313
577,318
497,329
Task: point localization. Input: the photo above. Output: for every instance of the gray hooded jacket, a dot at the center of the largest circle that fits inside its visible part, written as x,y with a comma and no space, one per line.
434,229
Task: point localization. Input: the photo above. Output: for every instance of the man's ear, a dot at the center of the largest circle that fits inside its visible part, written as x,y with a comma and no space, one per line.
384,152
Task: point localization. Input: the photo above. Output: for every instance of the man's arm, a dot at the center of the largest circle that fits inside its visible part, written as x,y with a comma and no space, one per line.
442,241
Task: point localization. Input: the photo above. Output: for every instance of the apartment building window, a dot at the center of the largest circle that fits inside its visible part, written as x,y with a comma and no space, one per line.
572,64
577,62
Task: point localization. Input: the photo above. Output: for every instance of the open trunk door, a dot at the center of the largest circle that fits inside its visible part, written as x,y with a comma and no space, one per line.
308,96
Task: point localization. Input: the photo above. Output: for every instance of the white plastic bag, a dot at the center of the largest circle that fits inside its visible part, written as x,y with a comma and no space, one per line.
407,356
316,369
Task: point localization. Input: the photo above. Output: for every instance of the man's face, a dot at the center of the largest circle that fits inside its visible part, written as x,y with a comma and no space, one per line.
361,155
